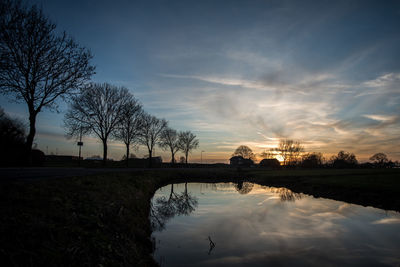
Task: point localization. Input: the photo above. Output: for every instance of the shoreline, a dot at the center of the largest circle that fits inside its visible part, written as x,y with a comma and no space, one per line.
104,218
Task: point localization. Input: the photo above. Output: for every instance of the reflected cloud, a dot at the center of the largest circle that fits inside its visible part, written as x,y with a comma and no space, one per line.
387,221
310,231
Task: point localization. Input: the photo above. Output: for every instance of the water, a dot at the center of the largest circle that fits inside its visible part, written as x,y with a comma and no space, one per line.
227,224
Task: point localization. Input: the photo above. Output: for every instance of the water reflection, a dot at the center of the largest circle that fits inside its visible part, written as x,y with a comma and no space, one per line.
244,187
163,208
270,226
286,194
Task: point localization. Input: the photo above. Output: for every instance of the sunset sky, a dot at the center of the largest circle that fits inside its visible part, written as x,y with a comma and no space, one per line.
326,73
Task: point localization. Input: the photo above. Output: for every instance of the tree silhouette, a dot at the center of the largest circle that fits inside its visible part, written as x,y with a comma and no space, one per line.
12,139
289,150
169,140
244,187
312,160
12,131
344,160
150,133
379,159
129,125
98,110
187,142
37,65
245,152
267,155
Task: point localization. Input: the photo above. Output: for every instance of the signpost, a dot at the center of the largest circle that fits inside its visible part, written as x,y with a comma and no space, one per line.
80,144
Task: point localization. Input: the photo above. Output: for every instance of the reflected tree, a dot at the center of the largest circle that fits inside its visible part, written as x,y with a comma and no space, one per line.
244,187
186,203
287,194
164,208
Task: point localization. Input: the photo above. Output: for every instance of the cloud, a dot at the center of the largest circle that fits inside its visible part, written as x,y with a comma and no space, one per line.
249,84
383,118
325,116
387,83
387,221
384,80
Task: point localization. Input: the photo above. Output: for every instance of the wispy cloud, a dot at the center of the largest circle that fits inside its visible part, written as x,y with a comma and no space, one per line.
387,221
385,80
384,118
249,84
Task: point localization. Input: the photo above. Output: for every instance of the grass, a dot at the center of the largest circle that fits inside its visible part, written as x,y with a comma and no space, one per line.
102,220
87,221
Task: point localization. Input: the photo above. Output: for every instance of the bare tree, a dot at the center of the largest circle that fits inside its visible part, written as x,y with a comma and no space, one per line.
344,160
128,128
37,65
150,133
187,142
169,140
98,110
379,159
268,154
245,152
312,160
289,150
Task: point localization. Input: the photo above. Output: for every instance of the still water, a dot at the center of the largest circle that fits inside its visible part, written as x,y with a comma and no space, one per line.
245,224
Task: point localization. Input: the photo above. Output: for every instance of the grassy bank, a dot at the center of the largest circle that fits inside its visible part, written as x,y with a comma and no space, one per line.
103,220
86,221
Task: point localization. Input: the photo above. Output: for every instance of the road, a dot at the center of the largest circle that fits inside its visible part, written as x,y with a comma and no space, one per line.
7,174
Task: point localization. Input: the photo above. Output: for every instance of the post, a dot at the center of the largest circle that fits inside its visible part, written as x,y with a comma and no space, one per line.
80,144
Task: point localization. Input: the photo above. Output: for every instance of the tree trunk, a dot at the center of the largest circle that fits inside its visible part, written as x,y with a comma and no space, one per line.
104,152
150,158
127,155
173,157
31,136
186,154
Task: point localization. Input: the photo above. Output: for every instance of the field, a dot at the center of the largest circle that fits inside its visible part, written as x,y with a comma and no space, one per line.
103,220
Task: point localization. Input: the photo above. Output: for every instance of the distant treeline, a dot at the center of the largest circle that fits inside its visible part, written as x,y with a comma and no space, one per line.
293,155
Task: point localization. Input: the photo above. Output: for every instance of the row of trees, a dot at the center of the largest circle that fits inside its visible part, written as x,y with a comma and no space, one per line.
108,111
292,154
39,66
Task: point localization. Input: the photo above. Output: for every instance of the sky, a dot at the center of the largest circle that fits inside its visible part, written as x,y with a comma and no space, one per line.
325,73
